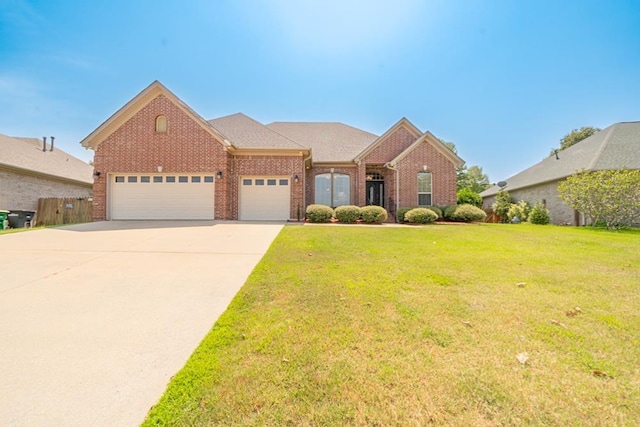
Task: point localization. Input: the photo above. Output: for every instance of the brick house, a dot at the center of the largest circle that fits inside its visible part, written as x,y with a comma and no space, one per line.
31,169
156,158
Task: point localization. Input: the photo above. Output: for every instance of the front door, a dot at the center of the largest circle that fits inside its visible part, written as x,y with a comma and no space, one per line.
375,193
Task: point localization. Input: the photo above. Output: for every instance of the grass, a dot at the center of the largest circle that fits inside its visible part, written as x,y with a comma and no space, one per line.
417,326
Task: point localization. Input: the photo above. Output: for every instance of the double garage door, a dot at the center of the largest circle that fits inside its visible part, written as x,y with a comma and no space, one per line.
176,196
191,196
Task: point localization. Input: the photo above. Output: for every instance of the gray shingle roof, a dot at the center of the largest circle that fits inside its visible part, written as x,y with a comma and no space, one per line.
612,148
27,154
244,132
329,142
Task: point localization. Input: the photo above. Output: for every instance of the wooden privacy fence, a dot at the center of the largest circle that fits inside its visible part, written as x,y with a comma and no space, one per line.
54,211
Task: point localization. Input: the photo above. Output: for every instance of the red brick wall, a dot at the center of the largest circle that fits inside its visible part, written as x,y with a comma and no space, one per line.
443,176
288,166
391,147
135,147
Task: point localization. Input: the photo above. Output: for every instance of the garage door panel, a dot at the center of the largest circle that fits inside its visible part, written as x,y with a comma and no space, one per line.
131,198
265,198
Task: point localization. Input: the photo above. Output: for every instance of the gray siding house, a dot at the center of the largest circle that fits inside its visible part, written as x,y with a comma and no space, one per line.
28,173
616,147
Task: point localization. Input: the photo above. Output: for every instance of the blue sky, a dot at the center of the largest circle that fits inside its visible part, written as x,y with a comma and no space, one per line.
503,80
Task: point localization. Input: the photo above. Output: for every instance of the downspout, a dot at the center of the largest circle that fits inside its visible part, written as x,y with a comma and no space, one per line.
304,183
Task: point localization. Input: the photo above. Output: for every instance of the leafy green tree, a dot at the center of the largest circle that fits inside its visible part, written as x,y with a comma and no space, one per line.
502,205
611,197
575,136
467,196
472,177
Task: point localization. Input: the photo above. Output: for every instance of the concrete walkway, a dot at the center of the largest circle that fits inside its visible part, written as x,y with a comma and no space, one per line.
96,318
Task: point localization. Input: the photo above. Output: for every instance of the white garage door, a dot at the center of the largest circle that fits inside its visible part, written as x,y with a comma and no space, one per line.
169,196
265,198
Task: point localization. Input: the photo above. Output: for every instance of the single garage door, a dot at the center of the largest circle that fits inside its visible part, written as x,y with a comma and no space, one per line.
265,198
169,196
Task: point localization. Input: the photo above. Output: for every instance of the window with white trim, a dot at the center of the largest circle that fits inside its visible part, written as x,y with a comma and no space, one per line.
333,189
424,189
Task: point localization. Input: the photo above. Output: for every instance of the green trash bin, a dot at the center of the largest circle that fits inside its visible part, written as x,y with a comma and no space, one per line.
4,222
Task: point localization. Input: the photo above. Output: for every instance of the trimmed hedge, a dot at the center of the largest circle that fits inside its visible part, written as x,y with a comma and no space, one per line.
373,214
401,212
421,216
348,214
319,213
436,210
449,210
467,213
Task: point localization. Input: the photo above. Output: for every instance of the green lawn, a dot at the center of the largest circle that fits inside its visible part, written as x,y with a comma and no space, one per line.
417,325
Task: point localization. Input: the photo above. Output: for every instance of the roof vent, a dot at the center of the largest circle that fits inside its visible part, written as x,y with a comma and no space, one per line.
52,138
44,144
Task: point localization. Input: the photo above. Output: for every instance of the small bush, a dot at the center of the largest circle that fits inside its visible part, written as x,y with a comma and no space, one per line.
348,214
448,211
467,196
468,213
436,210
520,210
319,213
421,216
539,214
501,205
401,212
373,214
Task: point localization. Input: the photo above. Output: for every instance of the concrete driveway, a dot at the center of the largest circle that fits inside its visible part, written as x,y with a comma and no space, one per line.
96,318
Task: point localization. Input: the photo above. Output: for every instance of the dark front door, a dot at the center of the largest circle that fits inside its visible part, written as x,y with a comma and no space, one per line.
375,193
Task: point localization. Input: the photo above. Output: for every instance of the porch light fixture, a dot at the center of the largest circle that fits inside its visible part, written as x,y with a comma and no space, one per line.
296,179
219,175
96,174
159,169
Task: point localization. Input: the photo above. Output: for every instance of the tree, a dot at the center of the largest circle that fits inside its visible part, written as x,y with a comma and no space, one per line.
611,197
467,196
575,136
502,205
473,177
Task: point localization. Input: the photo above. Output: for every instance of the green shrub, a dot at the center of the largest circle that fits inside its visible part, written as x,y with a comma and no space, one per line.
468,213
539,214
373,214
520,210
319,213
467,196
501,205
421,216
401,212
348,214
436,210
448,211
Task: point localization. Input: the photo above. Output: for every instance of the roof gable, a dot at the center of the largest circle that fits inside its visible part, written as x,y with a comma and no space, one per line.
138,102
26,154
245,132
403,122
429,138
615,147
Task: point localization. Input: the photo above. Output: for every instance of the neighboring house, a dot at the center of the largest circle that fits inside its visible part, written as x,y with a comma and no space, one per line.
28,173
615,147
158,159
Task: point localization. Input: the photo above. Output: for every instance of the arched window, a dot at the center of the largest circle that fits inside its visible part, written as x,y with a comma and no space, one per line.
424,189
161,124
333,189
